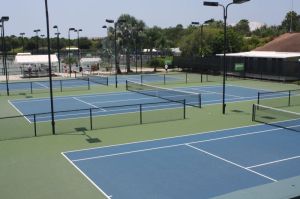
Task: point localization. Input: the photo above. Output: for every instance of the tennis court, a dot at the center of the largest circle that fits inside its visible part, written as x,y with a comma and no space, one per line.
110,103
59,84
195,166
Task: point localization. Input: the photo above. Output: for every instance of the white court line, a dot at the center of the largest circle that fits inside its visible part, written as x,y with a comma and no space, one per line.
40,84
167,138
89,179
273,162
230,162
175,145
19,111
136,99
92,105
212,92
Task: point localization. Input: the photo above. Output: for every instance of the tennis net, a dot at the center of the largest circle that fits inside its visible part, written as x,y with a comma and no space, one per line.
190,98
94,78
276,117
279,98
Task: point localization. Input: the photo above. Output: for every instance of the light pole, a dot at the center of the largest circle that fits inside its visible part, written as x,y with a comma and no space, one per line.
107,47
58,46
78,52
225,9
50,69
117,69
3,19
42,42
69,58
37,40
201,33
22,35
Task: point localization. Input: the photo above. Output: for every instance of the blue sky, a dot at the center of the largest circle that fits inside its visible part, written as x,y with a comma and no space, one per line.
27,15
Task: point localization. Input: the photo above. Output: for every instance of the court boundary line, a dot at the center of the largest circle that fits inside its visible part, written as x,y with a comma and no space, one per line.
21,113
230,162
88,178
165,138
40,84
82,101
176,145
274,162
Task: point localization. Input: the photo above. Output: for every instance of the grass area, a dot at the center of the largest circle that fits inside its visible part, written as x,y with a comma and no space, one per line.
36,169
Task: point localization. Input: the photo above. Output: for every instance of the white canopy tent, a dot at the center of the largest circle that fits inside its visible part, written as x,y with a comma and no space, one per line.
34,59
90,60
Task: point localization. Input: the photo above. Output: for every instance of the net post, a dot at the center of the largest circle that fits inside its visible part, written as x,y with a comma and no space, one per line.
106,81
89,86
258,97
60,84
141,78
289,98
31,89
184,109
91,119
141,115
127,85
34,125
164,79
253,112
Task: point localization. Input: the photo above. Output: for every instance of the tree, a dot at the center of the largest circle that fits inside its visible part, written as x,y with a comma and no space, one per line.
243,27
127,36
291,22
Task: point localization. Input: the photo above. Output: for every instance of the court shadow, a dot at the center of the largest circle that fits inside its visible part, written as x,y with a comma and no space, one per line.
89,138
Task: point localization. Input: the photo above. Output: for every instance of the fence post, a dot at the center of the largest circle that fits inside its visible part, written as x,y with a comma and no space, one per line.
164,79
141,115
289,98
184,109
89,86
201,76
61,86
34,124
91,118
141,78
200,101
186,77
31,89
253,113
258,97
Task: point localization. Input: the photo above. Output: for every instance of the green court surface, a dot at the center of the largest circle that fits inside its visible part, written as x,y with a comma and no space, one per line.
34,167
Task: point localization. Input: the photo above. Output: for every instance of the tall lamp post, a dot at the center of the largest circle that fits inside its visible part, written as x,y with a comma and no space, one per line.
69,58
42,41
37,40
108,46
3,19
225,9
50,69
78,52
22,35
116,53
201,33
58,46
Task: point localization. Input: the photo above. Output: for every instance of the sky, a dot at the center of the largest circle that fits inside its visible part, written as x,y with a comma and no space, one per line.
90,15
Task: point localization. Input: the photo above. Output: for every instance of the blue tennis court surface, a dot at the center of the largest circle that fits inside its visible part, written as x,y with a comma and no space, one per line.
195,166
109,103
44,85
